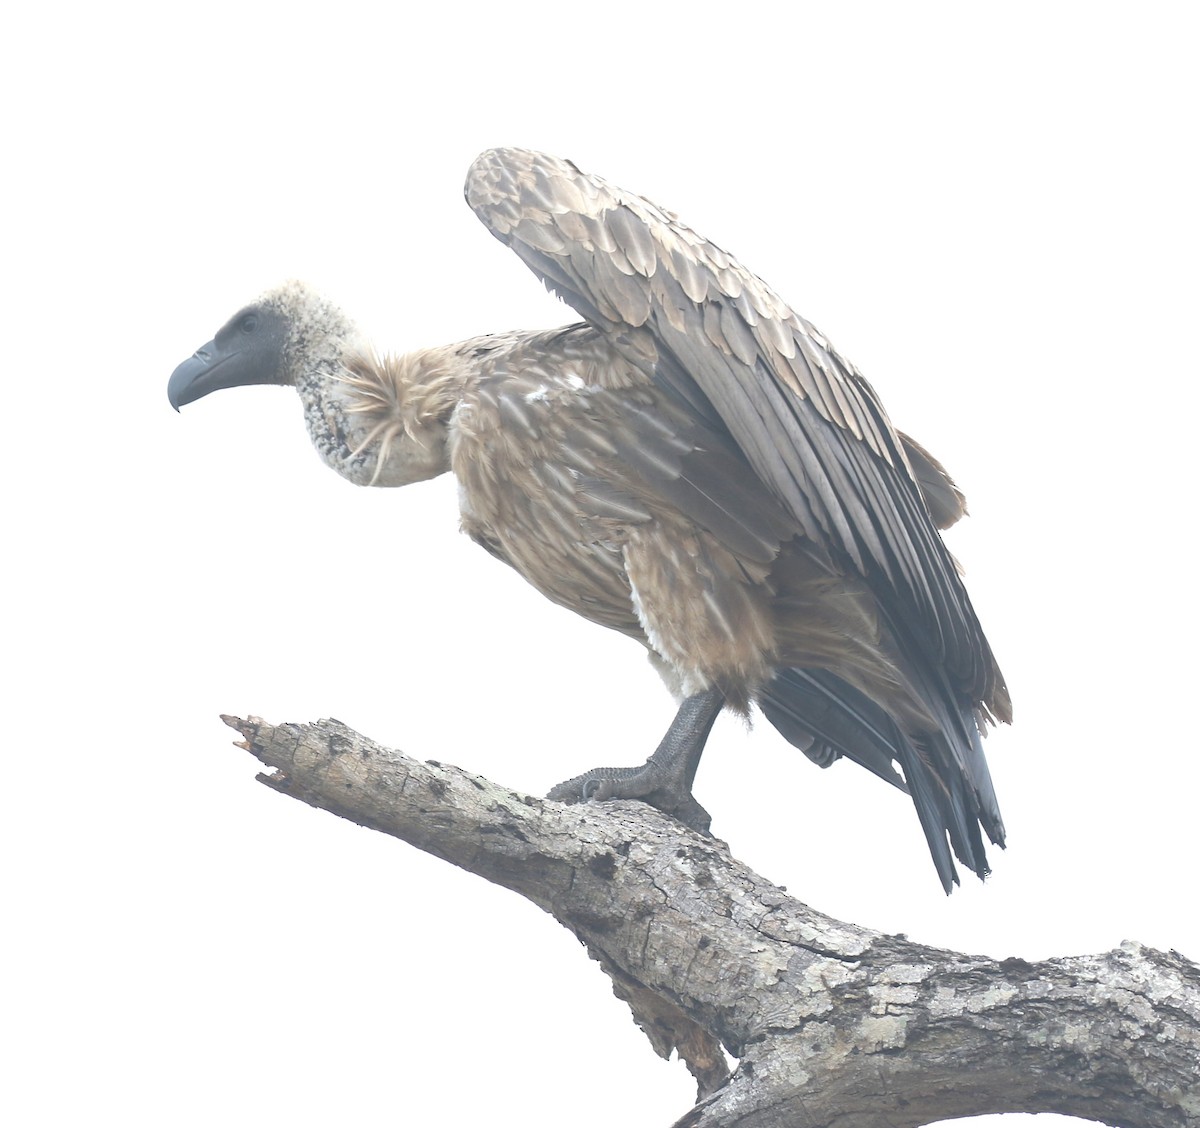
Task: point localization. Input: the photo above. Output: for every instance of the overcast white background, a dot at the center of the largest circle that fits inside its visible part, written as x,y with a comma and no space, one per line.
990,209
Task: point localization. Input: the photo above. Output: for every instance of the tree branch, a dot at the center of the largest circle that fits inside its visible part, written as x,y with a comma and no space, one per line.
832,1023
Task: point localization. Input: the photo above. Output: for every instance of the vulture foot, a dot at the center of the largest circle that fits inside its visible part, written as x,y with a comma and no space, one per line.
665,780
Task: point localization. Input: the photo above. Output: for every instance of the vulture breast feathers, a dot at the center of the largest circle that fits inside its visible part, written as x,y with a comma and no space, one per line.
811,428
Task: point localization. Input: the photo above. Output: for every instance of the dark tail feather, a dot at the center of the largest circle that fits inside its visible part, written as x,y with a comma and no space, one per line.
950,786
826,719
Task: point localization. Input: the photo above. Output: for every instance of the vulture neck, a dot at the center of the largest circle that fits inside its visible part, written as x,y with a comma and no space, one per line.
378,420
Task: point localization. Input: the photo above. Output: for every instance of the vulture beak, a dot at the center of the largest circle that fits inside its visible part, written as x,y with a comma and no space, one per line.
204,371
248,350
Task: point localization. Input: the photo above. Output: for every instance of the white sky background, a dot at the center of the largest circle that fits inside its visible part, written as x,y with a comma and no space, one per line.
990,209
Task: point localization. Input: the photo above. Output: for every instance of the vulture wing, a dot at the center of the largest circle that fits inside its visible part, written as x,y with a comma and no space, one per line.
721,340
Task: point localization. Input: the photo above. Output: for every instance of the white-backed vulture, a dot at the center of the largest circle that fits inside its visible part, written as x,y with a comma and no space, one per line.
695,466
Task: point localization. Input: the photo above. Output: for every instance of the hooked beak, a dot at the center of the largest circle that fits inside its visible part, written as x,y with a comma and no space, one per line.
248,350
202,373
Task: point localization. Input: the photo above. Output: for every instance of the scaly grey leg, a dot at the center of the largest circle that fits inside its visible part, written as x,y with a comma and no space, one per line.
665,780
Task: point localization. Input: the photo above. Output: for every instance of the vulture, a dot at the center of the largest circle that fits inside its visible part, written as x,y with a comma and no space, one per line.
693,465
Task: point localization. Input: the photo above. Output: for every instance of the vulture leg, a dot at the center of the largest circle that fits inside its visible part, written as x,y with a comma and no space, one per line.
665,780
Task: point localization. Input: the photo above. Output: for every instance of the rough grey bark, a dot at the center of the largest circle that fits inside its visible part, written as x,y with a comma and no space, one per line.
831,1023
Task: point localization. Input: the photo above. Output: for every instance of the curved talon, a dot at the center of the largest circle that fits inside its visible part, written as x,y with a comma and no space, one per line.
643,783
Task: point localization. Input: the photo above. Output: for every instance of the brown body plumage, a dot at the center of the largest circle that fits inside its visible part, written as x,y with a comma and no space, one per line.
695,467
569,462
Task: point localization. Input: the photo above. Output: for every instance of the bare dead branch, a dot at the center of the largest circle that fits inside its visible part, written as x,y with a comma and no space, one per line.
833,1024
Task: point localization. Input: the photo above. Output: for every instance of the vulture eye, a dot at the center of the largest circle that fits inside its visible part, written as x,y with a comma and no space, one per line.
248,323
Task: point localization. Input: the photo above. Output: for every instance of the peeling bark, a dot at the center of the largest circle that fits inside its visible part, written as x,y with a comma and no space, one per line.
831,1023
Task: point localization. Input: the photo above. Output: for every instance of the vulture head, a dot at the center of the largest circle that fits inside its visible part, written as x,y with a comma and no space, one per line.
375,420
270,341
